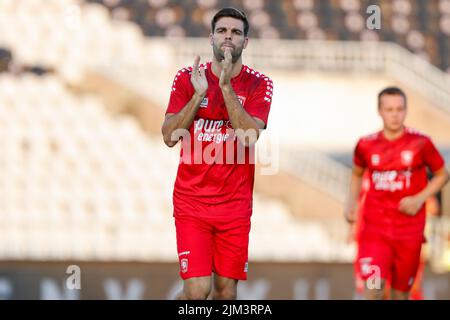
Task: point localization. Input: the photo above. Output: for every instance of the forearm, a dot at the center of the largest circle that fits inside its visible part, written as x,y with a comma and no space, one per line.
353,196
181,120
243,123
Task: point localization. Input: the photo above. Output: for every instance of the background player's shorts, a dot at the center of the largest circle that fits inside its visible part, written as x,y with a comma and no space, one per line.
359,281
207,245
396,260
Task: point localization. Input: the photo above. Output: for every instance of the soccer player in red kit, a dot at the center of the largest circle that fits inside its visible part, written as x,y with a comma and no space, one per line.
393,212
217,110
432,208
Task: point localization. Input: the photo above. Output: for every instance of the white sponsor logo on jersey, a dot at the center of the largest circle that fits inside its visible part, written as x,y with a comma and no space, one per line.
375,159
208,130
391,180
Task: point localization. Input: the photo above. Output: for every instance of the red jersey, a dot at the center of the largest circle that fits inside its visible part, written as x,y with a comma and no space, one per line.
216,173
397,169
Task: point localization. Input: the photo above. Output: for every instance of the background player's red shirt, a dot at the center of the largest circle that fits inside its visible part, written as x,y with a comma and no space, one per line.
210,182
397,169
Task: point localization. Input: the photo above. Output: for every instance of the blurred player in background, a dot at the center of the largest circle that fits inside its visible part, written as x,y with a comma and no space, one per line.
432,208
217,109
393,211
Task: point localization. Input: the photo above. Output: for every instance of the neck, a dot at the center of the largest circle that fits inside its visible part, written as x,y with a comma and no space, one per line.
216,68
393,134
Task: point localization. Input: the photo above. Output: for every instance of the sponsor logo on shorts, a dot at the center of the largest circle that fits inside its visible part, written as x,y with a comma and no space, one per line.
246,267
411,281
365,265
184,265
183,253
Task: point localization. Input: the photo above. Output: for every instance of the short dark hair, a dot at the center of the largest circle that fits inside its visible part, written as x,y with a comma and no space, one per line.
233,13
391,91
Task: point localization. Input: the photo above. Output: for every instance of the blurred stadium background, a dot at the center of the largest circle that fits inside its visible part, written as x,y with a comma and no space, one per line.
85,178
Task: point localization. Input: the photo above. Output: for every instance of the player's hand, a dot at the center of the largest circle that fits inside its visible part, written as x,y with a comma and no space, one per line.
198,78
350,216
410,205
350,212
351,233
227,68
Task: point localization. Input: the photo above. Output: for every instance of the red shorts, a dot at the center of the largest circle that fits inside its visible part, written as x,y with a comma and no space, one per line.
395,260
216,244
359,281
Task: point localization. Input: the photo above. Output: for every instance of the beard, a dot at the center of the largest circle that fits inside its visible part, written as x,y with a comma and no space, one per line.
219,54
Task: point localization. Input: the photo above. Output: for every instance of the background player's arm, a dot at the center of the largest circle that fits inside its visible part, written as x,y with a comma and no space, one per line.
412,204
184,118
351,207
239,118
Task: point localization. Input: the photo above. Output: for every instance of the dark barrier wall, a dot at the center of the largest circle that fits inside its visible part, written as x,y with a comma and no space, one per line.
96,280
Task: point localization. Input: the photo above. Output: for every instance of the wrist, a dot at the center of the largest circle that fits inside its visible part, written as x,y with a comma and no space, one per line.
422,199
419,197
199,96
226,88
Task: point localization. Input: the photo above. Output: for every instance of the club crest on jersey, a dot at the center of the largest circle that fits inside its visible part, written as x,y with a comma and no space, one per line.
184,265
407,157
241,100
375,159
204,103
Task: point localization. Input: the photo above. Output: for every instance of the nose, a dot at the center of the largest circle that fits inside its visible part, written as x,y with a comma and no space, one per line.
228,34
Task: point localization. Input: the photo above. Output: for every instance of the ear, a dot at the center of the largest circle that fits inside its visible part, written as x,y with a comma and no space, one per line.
211,40
245,42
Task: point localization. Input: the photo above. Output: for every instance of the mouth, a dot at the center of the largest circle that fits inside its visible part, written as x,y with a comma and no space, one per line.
227,45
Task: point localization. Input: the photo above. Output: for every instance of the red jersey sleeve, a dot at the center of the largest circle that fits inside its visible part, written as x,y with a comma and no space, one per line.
358,156
432,157
182,91
258,105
